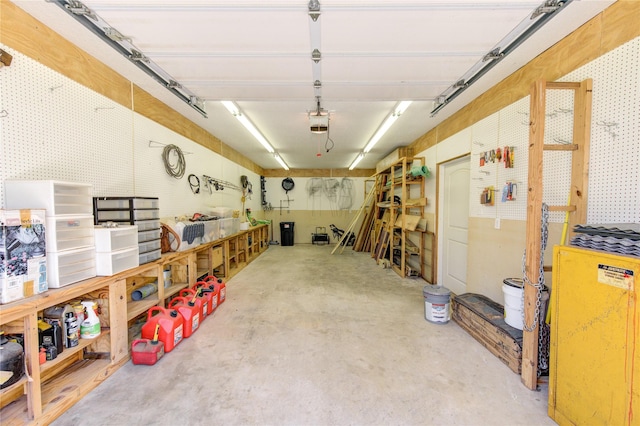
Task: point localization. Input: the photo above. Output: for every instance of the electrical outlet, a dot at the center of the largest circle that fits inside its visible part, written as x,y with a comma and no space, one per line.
496,224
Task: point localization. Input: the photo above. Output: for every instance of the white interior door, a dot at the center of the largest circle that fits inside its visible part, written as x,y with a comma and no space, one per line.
454,224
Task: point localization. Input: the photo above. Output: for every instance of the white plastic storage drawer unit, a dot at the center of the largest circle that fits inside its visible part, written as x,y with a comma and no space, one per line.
69,232
150,256
57,198
147,225
70,266
127,216
125,209
149,246
150,235
125,203
116,261
118,238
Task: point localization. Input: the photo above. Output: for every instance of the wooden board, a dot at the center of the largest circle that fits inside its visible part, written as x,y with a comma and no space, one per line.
410,221
483,319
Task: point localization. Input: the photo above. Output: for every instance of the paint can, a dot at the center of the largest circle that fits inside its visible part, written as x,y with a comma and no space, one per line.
513,289
437,304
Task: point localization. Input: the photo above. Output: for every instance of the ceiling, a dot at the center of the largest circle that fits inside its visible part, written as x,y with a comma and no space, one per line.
258,54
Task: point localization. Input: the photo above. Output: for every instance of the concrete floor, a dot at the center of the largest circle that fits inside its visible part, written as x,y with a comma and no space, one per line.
310,338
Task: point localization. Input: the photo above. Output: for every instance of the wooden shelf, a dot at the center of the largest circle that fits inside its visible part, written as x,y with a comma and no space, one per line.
13,392
399,219
174,289
58,384
136,308
72,352
80,378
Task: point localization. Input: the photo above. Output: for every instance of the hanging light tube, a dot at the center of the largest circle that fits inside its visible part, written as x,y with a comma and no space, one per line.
399,109
356,161
114,38
525,29
395,114
281,161
235,111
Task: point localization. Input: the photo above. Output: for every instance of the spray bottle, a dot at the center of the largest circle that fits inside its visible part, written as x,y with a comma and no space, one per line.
90,327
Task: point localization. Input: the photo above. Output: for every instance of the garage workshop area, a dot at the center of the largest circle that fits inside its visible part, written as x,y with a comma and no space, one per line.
319,212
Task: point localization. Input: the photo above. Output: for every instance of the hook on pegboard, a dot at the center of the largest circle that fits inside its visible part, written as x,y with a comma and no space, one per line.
608,127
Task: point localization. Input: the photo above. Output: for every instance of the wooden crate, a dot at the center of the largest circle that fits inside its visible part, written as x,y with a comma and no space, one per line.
483,319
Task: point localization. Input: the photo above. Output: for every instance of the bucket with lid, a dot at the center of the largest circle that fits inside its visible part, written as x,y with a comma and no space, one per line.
437,304
195,296
220,285
210,292
189,311
513,289
171,328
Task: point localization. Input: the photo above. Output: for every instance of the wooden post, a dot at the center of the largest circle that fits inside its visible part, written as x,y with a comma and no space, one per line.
34,396
118,318
580,157
529,375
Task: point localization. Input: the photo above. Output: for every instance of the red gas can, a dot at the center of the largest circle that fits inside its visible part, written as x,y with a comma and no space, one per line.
209,293
200,301
171,326
221,286
145,351
189,311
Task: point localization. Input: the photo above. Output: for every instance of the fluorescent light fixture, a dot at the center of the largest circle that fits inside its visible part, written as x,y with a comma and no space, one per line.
281,161
125,47
356,161
395,114
235,111
525,29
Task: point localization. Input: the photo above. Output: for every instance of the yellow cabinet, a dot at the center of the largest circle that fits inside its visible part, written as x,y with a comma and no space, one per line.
594,376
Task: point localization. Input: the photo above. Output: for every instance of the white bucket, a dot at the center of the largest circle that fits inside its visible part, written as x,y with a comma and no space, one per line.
436,304
513,289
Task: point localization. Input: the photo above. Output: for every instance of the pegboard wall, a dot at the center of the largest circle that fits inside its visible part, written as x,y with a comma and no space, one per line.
55,128
614,162
493,138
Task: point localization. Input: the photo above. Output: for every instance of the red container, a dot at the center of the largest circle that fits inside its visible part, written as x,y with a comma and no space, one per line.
146,352
209,292
200,301
171,327
220,285
189,311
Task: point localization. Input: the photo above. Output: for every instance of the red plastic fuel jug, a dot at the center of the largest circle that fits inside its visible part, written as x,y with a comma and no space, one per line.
200,301
145,351
189,311
210,293
220,285
171,326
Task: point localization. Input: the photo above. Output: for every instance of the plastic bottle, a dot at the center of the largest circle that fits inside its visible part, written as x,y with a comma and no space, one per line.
72,329
90,327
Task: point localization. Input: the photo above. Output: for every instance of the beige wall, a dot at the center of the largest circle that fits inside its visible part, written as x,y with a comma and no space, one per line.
306,222
496,254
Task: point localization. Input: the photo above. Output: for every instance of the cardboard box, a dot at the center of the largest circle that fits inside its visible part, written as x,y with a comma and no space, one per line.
23,262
